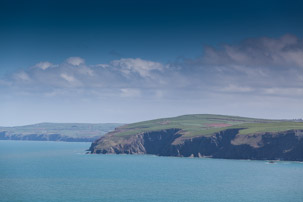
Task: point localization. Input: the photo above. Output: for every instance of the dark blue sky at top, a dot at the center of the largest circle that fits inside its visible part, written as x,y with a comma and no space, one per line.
100,31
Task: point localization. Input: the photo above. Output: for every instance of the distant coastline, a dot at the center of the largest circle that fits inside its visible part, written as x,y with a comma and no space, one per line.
67,132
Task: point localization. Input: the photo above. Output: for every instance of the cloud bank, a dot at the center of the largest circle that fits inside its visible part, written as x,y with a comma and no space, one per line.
261,65
259,73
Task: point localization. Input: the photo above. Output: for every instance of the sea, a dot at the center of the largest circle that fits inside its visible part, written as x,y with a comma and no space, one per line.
62,171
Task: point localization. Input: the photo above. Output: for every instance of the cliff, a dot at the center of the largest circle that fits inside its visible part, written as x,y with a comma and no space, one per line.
227,142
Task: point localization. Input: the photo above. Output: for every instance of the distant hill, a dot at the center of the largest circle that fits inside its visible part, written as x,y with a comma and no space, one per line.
69,132
206,135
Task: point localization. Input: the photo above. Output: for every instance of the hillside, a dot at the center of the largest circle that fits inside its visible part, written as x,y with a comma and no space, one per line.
204,135
70,132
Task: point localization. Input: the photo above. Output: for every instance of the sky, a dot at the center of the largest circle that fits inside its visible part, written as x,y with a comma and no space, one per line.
128,61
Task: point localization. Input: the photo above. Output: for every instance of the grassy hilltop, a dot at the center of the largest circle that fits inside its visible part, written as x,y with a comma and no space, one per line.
207,124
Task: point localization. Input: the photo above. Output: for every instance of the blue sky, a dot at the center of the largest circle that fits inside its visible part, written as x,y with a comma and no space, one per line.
125,61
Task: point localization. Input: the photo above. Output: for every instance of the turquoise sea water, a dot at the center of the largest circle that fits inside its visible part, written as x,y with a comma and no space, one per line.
60,171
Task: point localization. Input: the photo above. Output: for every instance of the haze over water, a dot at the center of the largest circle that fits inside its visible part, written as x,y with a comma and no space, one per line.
60,171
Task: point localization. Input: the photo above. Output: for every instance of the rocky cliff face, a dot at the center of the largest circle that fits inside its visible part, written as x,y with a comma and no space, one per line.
226,144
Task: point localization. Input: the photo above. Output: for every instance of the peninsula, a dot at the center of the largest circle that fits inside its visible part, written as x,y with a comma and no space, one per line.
205,135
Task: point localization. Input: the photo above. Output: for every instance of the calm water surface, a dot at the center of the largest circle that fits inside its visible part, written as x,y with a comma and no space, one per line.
59,171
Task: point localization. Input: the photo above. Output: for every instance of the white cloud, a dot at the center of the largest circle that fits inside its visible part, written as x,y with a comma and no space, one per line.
43,65
72,81
103,65
236,55
94,77
22,76
261,66
256,76
130,92
266,52
143,67
294,57
86,71
76,61
68,77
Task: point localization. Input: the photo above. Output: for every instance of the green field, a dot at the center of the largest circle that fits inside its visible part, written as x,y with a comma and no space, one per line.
206,124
